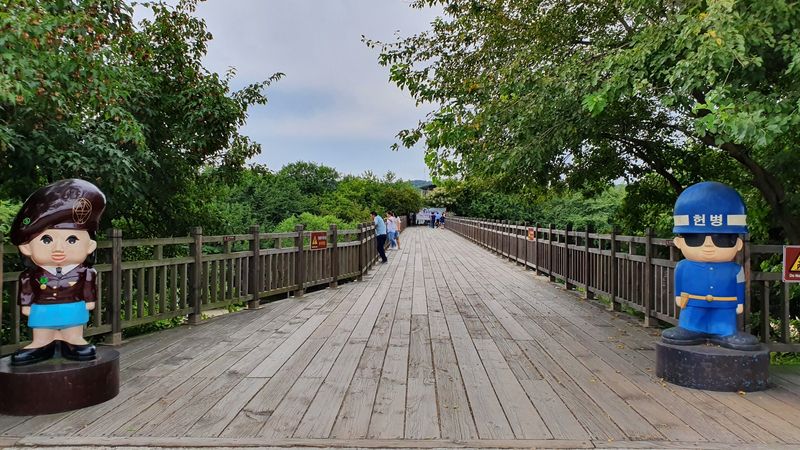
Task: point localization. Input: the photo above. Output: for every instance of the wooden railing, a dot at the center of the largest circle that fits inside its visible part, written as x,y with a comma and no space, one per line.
636,271
141,281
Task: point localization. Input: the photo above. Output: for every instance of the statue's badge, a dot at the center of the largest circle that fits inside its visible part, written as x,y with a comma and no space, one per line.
81,210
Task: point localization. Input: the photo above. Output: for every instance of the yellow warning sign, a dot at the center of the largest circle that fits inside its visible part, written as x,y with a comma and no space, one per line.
319,240
791,263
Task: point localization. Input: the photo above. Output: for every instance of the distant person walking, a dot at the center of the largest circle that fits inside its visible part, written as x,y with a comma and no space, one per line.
380,235
433,219
398,225
391,229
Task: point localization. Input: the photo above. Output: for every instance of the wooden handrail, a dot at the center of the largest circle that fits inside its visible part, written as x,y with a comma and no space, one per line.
635,271
141,281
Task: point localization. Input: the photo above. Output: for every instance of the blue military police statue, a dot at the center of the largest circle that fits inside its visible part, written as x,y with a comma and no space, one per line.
710,219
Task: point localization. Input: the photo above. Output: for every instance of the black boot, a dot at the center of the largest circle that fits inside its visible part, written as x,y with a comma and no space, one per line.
682,336
739,341
25,356
85,352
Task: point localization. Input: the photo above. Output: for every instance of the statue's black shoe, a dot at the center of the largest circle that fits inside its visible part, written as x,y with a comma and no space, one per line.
25,356
85,352
739,341
682,336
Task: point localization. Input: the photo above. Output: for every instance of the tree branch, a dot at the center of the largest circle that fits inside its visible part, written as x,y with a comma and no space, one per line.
657,164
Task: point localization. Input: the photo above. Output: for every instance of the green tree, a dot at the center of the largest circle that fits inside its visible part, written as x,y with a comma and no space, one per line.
353,199
84,93
400,198
536,95
313,179
271,197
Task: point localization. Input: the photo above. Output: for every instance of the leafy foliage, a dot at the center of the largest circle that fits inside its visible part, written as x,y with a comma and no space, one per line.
313,222
601,212
536,96
312,179
85,93
355,197
8,210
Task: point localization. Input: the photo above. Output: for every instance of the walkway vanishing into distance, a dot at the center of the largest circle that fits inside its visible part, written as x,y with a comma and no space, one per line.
446,345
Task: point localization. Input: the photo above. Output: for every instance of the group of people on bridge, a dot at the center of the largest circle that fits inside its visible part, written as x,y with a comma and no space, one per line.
386,229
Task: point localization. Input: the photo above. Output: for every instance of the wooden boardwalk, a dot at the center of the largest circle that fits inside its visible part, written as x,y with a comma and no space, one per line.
446,345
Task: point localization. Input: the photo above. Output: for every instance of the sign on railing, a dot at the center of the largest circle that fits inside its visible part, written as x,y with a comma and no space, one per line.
791,264
319,240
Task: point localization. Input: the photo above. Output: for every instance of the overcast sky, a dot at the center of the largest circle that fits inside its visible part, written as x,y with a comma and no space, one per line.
335,106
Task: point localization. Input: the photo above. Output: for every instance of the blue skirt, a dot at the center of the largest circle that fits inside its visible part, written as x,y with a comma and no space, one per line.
62,315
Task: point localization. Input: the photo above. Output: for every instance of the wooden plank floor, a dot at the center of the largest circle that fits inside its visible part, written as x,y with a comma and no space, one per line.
447,345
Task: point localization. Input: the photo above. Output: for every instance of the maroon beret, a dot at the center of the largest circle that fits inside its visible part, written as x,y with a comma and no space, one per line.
67,204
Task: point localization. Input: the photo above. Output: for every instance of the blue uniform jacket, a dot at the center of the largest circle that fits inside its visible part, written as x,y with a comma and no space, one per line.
718,279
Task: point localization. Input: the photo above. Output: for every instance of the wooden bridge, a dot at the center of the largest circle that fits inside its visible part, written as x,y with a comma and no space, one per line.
447,345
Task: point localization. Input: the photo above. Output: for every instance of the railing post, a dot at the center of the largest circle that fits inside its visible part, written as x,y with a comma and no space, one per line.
361,258
587,274
12,301
498,238
615,305
526,244
300,267
196,250
648,277
550,275
785,316
368,247
255,268
567,259
765,322
501,238
748,298
491,235
514,241
334,233
114,306
536,249
504,235
509,237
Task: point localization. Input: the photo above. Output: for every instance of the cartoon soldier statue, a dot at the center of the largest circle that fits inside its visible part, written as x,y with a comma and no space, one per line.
55,232
710,219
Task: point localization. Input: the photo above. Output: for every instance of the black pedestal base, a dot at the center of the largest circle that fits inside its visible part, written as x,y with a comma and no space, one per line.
713,368
58,385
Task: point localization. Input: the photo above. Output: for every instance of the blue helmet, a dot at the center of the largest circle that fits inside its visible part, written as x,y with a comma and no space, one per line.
710,207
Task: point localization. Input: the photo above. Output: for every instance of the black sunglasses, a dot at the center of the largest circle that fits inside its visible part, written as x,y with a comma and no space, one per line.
720,240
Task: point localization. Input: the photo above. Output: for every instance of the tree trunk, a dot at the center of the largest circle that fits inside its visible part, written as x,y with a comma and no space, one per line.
770,187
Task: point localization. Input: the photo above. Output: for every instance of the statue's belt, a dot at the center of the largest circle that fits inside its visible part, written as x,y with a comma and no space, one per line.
709,298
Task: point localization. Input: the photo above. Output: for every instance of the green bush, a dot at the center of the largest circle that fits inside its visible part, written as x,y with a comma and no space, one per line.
313,222
8,209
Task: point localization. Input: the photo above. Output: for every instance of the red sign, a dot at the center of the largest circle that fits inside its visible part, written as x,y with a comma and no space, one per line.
228,238
791,263
531,233
319,240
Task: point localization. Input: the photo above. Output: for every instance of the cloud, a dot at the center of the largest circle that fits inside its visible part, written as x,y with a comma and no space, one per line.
335,105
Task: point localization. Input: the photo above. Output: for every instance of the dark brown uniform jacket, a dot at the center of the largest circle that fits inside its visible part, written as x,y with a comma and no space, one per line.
76,285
